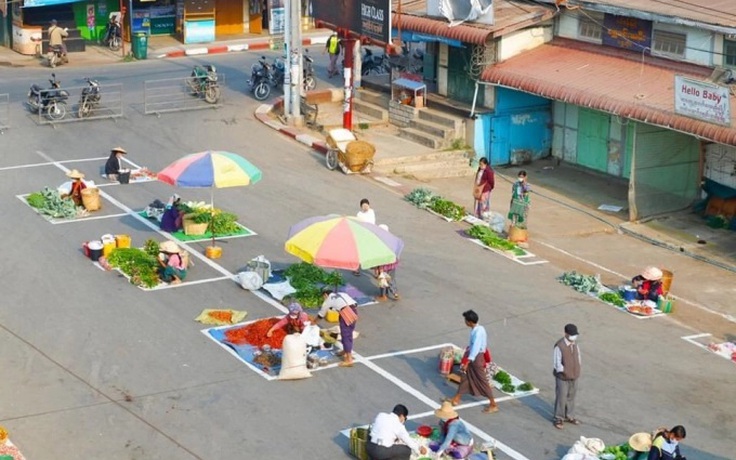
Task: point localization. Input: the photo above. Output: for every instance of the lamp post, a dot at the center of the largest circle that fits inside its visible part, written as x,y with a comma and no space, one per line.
293,62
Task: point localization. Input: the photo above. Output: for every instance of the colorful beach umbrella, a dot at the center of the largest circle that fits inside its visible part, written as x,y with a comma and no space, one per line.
342,242
210,169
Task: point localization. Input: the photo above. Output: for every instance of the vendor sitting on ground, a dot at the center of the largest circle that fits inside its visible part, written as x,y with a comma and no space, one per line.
648,285
389,438
75,192
114,165
173,268
455,441
171,220
297,321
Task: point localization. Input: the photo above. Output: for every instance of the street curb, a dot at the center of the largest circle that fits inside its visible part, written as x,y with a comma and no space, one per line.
237,47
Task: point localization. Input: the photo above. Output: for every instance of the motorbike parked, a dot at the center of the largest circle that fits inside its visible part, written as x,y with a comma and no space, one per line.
113,37
52,101
203,82
56,56
261,79
374,65
309,80
89,99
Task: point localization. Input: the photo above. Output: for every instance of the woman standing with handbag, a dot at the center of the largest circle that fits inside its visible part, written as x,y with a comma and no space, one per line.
482,187
474,365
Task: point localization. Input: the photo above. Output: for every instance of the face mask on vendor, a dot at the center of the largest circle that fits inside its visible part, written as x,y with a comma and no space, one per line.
572,338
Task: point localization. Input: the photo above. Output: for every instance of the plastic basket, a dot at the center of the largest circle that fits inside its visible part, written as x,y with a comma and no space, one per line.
358,443
91,199
193,228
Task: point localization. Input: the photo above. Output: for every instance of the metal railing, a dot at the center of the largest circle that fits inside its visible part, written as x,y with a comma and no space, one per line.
73,108
178,94
4,112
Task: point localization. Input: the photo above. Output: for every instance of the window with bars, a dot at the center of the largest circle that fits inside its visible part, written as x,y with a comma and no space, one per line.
729,53
589,27
669,43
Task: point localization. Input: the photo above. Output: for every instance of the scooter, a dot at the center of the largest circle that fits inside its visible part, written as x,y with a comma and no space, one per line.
56,56
203,82
52,101
89,98
372,64
260,79
310,82
113,38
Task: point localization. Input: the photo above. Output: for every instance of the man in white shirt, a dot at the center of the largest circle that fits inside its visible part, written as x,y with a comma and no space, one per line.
366,213
389,438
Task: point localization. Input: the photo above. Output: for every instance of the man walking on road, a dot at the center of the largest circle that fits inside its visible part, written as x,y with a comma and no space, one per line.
567,364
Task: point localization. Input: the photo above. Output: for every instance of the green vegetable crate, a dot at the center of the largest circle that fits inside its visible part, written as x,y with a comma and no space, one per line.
358,442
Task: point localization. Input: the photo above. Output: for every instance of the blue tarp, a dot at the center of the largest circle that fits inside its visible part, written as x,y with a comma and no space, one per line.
32,3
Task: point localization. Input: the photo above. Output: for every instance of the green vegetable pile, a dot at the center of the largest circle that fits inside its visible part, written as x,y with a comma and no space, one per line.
581,283
308,281
614,298
502,377
49,202
446,208
140,266
493,240
526,386
621,452
220,222
420,197
151,247
508,388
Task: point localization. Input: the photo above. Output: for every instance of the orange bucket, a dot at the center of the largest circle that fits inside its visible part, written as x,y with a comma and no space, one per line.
667,281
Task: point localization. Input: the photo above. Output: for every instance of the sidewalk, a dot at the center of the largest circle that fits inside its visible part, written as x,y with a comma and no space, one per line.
574,228
163,46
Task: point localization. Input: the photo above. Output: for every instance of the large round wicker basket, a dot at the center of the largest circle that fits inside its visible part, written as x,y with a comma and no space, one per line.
357,155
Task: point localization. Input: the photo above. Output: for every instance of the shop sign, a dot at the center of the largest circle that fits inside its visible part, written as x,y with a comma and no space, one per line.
199,31
276,17
411,36
367,18
32,3
627,32
702,100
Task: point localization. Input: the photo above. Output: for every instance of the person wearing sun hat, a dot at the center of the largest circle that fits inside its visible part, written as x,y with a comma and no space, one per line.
113,166
640,444
648,285
455,438
297,321
172,267
75,192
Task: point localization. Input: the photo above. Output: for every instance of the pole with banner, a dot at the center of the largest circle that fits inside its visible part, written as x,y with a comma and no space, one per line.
295,62
287,74
347,108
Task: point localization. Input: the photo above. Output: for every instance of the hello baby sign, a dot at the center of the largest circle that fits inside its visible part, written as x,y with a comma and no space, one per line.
702,100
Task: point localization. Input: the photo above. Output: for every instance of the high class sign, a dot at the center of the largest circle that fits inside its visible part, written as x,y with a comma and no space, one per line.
367,18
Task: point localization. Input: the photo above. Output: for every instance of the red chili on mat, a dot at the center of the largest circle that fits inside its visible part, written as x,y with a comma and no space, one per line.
255,334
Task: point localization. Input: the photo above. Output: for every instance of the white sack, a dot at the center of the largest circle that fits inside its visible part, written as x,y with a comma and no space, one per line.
251,281
294,358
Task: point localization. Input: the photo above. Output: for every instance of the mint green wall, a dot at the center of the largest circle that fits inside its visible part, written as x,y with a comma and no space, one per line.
80,18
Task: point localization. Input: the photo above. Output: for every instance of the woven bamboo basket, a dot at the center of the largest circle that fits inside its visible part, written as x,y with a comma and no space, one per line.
358,443
193,228
357,154
91,199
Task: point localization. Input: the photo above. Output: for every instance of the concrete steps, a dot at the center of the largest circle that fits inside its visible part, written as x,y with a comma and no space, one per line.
423,138
371,110
429,156
449,121
430,165
432,128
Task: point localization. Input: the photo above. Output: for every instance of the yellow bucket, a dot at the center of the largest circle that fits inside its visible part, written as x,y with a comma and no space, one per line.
332,316
122,241
213,252
107,247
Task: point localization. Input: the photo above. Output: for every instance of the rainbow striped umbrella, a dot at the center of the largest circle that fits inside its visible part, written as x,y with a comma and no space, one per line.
342,242
210,169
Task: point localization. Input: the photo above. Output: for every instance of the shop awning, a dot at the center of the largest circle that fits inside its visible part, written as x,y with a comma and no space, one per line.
32,3
610,80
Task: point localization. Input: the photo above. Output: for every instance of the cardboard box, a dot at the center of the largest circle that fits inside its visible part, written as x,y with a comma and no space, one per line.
419,102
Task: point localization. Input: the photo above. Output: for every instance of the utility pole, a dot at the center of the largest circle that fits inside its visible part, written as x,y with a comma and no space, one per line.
293,62
347,108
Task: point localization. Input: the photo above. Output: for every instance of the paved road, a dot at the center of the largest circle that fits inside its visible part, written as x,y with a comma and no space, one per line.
95,368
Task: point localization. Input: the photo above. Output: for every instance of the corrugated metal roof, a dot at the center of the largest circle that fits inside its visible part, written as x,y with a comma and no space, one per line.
609,80
718,12
509,15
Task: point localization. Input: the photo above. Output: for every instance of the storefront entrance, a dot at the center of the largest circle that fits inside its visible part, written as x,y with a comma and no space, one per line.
228,17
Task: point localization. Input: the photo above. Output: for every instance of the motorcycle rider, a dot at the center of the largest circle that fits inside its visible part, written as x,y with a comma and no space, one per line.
113,27
56,38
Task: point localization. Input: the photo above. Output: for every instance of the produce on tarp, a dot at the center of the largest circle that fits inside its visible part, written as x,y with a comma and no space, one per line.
140,266
493,240
619,452
447,208
50,203
218,222
255,334
526,386
614,298
420,197
308,281
581,283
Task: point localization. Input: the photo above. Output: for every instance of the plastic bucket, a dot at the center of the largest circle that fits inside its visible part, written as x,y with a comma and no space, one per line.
445,363
124,176
332,316
85,248
665,304
667,277
213,252
628,294
122,241
95,250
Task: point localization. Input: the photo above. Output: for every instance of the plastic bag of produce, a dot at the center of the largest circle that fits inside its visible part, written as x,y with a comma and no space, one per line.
589,447
251,281
294,358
